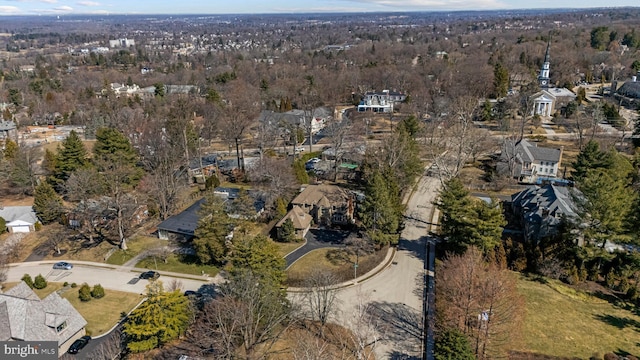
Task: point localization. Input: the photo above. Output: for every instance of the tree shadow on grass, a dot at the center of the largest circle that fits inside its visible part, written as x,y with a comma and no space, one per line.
400,325
619,322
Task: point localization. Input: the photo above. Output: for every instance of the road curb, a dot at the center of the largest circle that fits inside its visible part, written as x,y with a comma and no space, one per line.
388,260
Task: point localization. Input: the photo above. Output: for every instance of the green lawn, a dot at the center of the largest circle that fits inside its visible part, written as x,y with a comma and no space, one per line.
561,321
185,264
102,314
135,246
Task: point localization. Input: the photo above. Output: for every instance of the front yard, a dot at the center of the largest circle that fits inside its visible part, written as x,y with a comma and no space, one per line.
101,314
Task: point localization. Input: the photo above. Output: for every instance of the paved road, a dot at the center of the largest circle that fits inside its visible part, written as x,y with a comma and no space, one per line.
317,239
394,297
109,276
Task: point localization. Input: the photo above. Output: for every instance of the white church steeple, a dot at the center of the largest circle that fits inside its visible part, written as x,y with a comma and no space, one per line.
543,77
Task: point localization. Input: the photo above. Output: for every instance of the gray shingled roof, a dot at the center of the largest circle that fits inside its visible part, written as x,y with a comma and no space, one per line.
630,89
186,222
23,316
13,213
542,208
530,152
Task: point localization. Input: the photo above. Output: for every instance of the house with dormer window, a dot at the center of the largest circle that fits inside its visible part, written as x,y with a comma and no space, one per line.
25,317
532,163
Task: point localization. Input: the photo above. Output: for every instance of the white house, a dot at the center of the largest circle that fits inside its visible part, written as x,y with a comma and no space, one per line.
533,162
381,102
19,219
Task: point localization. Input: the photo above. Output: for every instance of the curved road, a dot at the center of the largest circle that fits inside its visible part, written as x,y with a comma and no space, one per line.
393,299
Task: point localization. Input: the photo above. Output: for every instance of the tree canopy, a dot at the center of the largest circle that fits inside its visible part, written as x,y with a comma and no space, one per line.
71,155
47,204
163,317
213,227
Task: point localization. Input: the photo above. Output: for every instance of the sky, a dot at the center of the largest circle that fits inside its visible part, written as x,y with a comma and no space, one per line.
61,7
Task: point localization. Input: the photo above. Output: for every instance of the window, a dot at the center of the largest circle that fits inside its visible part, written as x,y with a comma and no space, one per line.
61,326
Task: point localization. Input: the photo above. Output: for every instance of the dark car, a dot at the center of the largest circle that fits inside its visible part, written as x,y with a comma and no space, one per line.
192,293
79,344
149,275
62,266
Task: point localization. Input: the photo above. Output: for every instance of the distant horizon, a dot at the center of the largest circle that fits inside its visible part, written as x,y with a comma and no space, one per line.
285,7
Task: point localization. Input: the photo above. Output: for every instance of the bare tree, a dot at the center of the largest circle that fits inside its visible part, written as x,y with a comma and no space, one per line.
450,146
240,110
4,268
56,236
480,300
321,296
275,177
363,337
111,348
219,321
310,347
162,161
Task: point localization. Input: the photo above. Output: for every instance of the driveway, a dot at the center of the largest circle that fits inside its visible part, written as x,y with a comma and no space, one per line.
317,239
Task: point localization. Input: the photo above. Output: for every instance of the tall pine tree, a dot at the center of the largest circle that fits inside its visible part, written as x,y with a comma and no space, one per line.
213,226
47,204
70,156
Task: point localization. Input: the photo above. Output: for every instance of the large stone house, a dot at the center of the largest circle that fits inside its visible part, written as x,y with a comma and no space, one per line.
327,204
300,219
24,317
541,209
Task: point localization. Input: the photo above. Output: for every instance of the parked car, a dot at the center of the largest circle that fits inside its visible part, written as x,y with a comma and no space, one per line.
79,344
62,266
150,275
194,294
299,149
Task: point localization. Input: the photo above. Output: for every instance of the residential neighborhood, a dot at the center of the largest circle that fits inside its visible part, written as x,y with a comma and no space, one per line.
341,185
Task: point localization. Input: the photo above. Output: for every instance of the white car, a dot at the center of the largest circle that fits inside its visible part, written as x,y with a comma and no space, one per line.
299,149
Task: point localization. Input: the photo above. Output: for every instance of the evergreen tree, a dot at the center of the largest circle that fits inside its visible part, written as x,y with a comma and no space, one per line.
163,317
260,256
591,157
500,80
607,202
113,150
71,155
287,231
487,226
380,211
452,344
10,150
116,161
410,125
39,282
456,214
213,226
47,204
